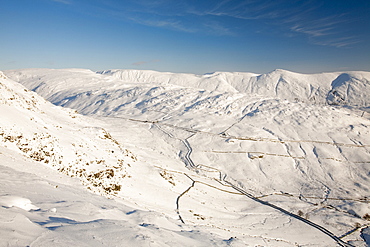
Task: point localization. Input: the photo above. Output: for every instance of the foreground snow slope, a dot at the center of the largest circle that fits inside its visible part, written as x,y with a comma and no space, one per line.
269,159
40,206
61,139
66,214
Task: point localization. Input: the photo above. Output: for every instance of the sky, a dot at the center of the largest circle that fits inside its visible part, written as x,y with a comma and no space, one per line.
190,36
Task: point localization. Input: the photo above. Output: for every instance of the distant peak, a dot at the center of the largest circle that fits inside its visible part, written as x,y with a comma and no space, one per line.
279,71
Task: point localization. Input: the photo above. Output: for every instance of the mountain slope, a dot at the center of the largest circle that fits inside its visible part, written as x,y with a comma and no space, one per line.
278,83
41,143
60,138
199,150
350,89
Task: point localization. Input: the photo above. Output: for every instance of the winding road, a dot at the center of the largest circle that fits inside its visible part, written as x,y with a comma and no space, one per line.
189,163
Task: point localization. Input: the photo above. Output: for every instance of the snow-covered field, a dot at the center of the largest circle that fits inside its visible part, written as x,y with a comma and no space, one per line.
164,159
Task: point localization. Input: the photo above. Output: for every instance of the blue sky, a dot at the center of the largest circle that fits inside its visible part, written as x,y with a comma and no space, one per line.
193,36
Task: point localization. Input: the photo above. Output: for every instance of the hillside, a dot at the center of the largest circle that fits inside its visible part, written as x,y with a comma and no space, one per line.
271,160
343,88
352,87
61,139
42,148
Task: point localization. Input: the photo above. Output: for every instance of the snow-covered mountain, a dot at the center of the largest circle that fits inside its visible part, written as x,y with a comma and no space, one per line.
352,87
349,88
280,159
61,139
40,206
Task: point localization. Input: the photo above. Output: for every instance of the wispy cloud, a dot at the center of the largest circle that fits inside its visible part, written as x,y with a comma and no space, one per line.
178,16
155,13
293,16
290,18
163,23
326,31
315,28
337,42
63,1
247,10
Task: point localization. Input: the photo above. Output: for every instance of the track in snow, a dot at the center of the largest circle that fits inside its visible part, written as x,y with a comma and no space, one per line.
191,166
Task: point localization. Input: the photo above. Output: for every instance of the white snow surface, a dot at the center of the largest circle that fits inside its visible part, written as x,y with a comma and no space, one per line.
165,159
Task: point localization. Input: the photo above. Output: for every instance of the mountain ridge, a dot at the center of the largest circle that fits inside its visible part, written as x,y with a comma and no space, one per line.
315,88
